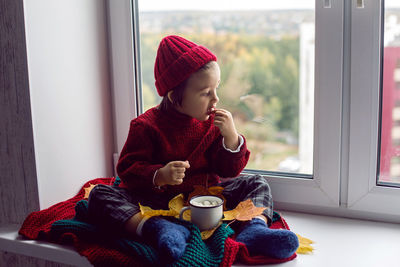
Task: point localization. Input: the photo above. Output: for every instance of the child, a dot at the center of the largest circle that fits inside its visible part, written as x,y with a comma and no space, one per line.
181,143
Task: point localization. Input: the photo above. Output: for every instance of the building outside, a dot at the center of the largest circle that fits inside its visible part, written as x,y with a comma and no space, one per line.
389,167
390,131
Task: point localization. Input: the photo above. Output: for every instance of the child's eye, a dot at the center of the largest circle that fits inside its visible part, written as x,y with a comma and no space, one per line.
206,93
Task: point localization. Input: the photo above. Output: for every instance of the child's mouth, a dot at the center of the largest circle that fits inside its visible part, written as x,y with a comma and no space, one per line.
210,111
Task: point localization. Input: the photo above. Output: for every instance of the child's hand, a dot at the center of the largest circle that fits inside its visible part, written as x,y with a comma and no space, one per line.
172,173
224,121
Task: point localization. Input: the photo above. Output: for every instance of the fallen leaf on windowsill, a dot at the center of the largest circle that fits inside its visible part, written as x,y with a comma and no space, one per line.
304,245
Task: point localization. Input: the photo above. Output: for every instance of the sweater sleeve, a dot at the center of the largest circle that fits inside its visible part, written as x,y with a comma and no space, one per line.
226,163
135,166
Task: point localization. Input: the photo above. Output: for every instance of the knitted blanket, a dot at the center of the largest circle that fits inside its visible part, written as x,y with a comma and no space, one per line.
67,222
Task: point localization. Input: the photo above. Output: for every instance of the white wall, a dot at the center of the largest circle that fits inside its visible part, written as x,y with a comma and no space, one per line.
70,94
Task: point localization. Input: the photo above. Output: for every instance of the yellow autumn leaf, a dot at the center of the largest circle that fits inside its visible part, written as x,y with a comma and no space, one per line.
304,249
187,215
304,245
176,204
207,233
147,211
304,240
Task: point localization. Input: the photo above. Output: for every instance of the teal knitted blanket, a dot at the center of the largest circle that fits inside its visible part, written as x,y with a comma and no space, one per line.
197,253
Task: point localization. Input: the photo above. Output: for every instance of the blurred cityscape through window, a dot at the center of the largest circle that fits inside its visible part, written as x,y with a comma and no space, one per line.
389,165
266,56
266,53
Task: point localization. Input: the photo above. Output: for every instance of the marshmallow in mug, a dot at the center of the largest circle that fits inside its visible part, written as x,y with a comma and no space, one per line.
206,203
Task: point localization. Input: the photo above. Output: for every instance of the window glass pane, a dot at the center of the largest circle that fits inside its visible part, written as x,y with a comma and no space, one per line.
265,50
389,169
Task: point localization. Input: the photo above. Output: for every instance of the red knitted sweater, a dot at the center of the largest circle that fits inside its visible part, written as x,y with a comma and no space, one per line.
156,138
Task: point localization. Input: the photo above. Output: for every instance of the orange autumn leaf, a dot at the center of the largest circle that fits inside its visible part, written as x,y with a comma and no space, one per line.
244,211
216,190
88,190
230,215
248,211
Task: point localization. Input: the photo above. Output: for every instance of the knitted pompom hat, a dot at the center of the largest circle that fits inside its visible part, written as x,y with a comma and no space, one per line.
177,58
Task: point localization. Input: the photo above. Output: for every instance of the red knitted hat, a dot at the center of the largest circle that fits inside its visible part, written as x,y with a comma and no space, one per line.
177,58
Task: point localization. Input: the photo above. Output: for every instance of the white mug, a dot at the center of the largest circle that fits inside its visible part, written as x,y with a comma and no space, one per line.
206,211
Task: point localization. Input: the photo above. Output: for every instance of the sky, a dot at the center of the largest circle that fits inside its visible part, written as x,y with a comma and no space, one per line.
150,5
392,3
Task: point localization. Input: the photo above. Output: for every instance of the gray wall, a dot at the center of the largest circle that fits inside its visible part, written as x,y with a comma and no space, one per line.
26,169
18,184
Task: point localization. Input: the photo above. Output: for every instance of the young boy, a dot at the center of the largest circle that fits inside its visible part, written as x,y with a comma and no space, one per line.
185,141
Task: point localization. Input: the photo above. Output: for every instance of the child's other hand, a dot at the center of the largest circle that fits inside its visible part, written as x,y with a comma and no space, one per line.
172,173
224,121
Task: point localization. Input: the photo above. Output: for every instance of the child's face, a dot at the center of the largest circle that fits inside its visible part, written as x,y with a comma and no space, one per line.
200,95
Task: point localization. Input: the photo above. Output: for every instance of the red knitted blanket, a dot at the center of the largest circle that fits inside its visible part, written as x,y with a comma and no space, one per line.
38,225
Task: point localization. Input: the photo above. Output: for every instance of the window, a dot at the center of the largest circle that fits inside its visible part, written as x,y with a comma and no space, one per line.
268,82
374,168
266,56
334,87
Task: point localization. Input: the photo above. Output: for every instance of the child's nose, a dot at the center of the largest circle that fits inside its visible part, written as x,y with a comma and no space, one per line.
215,98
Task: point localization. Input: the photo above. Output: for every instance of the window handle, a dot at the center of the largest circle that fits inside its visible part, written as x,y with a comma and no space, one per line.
327,3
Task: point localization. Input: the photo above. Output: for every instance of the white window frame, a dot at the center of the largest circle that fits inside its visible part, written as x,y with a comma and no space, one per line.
363,192
324,187
124,68
335,188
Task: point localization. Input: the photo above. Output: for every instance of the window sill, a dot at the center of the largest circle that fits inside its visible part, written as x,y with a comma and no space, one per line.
344,242
338,242
12,242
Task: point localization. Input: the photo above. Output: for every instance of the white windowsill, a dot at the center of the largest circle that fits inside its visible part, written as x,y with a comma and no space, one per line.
338,242
341,242
10,241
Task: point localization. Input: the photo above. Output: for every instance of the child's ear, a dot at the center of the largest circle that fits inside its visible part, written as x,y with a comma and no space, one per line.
169,95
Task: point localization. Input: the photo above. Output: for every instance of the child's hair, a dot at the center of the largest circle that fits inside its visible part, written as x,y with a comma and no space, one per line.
177,94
